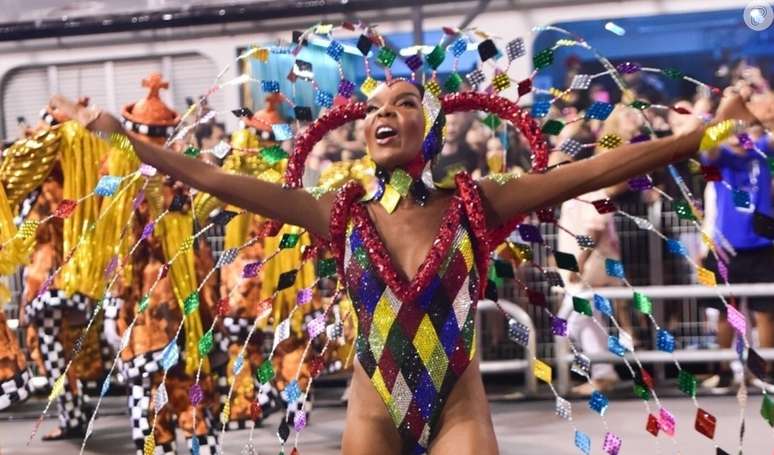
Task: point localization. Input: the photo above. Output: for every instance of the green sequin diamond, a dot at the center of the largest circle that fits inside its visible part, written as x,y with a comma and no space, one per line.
143,304
771,163
672,73
552,127
684,211
192,151
453,83
767,410
205,343
543,58
492,121
265,372
273,155
642,303
581,305
289,241
401,181
436,57
191,303
361,256
386,57
640,105
686,382
326,267
641,392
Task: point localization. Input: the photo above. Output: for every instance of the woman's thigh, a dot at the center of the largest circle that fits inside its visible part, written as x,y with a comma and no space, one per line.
465,426
369,427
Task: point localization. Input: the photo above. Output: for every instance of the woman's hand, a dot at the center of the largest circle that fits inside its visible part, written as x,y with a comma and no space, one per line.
91,117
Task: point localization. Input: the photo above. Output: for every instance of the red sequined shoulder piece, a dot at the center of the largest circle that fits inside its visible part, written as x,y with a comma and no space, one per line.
346,198
474,209
496,235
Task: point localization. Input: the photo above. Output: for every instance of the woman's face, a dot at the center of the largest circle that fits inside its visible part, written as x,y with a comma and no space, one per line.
394,124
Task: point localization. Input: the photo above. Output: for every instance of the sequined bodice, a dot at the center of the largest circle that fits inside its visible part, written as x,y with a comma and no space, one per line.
415,339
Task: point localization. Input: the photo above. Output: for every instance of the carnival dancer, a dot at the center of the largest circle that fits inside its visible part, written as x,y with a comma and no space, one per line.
414,258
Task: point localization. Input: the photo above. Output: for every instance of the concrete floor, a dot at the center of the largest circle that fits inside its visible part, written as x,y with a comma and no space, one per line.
522,427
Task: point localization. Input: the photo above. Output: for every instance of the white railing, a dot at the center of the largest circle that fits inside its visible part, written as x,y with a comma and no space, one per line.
563,357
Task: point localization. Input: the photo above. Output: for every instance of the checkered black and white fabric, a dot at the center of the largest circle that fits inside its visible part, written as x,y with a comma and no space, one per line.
237,329
56,298
15,389
216,238
143,364
139,404
49,321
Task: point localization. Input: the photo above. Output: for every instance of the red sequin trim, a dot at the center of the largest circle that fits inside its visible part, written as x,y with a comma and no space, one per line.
469,192
306,140
346,198
507,110
407,291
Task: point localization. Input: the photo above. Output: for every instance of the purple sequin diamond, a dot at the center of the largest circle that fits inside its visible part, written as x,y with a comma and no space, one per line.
414,62
558,326
530,233
640,183
628,67
346,88
612,444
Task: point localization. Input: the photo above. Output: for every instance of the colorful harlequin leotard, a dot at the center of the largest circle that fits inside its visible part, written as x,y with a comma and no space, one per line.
415,339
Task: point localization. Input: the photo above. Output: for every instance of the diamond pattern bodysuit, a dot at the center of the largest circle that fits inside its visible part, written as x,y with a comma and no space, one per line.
415,338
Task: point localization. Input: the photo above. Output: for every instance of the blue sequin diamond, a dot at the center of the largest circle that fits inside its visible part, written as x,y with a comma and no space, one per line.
665,341
603,305
741,199
459,47
614,346
540,108
676,247
282,131
270,86
323,99
582,442
598,402
614,268
292,391
107,185
335,49
599,110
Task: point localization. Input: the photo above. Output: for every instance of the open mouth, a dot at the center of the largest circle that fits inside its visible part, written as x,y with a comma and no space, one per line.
385,134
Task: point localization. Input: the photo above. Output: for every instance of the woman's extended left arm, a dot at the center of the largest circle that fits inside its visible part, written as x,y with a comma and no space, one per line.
533,191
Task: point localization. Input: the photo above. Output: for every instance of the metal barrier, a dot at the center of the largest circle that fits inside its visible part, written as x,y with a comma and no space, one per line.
563,357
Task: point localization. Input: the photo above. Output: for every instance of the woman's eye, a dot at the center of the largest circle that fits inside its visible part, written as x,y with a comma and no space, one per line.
371,109
408,104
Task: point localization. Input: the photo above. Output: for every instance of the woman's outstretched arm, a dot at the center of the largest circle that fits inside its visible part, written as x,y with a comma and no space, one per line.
292,206
533,191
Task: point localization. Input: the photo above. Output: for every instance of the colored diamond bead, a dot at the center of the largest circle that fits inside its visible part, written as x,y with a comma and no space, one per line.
598,402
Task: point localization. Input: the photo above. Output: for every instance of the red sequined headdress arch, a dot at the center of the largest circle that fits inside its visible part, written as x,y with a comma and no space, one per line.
456,102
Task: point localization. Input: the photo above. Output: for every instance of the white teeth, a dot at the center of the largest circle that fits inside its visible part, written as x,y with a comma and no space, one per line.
384,129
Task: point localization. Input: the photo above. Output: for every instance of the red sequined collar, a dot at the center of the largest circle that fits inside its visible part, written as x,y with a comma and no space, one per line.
405,290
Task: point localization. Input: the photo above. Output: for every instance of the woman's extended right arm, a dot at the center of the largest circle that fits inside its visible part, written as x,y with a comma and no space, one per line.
291,206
